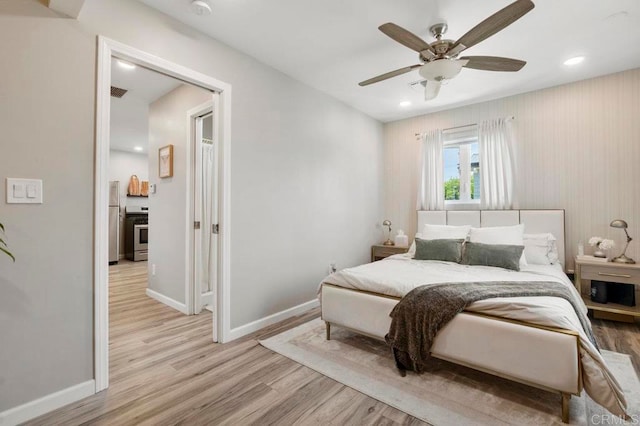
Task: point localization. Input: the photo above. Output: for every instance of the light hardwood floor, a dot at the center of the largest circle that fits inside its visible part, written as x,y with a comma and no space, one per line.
166,370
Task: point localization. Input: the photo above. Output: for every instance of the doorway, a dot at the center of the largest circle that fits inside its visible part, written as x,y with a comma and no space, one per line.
206,217
106,50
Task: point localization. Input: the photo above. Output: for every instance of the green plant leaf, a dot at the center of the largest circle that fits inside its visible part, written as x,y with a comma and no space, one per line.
2,227
8,253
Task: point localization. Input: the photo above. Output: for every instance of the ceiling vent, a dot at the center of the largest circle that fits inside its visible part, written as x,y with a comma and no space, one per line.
117,92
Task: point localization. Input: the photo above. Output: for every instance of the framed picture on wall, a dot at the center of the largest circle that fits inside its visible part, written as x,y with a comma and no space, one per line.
165,161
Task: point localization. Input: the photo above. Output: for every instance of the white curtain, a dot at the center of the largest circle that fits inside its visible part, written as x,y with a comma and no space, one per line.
497,167
431,172
208,249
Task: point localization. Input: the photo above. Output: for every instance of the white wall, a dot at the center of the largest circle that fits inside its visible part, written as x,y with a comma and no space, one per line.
305,168
577,149
167,211
306,182
46,296
122,165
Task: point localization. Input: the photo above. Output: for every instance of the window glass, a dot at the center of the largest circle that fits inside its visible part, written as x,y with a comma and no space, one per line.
452,172
461,169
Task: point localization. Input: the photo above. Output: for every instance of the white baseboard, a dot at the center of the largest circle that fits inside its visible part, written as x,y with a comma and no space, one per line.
40,406
243,330
168,301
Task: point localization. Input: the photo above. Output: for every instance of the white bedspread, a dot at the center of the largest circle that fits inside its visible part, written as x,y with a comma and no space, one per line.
397,275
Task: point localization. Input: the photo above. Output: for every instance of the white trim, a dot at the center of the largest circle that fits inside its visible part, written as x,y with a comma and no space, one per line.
207,299
47,403
243,330
223,298
106,49
172,303
101,222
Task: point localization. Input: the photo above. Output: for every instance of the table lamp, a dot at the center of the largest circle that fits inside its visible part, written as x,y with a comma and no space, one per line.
619,223
387,223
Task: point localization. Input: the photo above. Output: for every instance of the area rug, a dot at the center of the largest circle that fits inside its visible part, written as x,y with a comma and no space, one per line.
447,393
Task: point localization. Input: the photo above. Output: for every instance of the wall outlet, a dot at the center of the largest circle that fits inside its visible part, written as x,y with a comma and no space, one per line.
153,269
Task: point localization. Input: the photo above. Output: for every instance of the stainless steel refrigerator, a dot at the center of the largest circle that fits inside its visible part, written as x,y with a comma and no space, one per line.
114,221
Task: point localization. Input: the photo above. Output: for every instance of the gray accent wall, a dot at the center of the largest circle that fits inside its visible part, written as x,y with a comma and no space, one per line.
306,182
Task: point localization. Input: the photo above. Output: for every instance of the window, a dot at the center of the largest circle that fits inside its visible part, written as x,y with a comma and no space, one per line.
461,167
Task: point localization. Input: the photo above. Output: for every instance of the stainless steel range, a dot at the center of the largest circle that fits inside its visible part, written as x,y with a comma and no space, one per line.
136,239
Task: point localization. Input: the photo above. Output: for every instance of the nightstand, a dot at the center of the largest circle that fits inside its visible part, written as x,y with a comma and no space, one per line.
380,251
586,270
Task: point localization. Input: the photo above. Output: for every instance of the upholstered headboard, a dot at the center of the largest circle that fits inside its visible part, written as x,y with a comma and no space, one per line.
535,221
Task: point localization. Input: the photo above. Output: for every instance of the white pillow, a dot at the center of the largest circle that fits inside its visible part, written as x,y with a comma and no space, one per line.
540,249
440,232
445,232
512,235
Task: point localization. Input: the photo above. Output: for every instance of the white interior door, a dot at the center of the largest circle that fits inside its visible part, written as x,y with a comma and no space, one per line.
206,212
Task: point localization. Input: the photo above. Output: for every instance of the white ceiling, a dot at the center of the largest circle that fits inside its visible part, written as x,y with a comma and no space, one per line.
334,44
142,83
129,126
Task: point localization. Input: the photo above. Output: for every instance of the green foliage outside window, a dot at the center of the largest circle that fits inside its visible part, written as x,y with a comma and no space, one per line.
452,189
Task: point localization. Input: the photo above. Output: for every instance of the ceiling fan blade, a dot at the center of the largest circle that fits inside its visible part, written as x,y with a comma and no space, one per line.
389,74
494,23
493,63
405,37
431,90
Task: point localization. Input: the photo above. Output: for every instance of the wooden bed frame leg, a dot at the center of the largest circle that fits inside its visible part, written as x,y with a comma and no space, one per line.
566,397
328,325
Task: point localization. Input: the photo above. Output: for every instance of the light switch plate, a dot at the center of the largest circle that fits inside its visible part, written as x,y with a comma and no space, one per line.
24,191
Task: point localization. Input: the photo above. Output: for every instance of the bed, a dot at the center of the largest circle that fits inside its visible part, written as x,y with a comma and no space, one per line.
546,353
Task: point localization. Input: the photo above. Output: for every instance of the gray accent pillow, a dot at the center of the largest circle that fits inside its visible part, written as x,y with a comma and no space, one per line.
447,250
498,255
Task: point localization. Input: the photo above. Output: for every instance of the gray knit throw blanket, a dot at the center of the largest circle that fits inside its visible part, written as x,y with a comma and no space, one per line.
419,315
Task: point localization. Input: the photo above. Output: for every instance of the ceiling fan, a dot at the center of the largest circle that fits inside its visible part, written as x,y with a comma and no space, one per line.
440,61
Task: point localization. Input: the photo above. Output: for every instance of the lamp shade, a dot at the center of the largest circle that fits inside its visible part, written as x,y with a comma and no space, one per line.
619,223
441,69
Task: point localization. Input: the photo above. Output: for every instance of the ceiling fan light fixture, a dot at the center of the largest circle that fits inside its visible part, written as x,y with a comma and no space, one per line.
441,69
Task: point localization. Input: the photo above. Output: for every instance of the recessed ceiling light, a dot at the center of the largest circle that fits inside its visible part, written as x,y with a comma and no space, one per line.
200,7
405,104
126,65
574,61
137,148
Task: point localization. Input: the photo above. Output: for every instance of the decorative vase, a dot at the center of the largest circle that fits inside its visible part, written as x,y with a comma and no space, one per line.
599,253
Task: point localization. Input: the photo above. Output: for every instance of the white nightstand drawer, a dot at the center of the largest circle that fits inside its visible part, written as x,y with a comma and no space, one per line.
610,273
